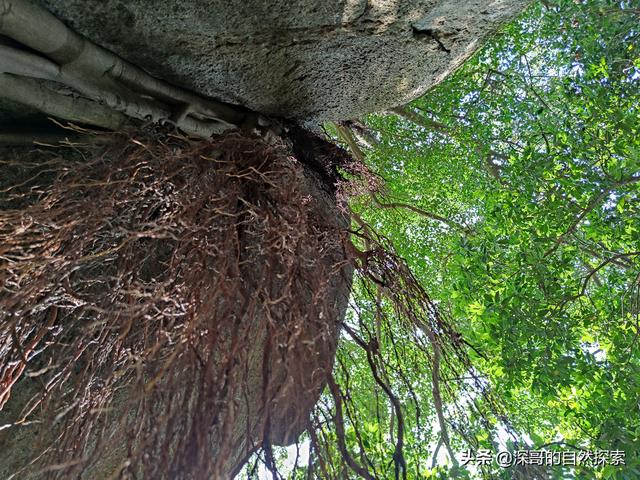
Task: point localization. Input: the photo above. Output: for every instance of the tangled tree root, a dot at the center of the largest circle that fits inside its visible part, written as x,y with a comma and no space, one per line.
166,308
169,308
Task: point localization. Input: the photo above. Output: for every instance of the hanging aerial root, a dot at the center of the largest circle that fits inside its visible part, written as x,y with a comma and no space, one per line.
166,307
170,307
407,344
404,384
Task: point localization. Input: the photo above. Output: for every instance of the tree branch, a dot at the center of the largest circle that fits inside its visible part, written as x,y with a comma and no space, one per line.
437,396
419,211
346,136
425,122
595,201
595,270
340,434
398,456
363,134
485,153
437,399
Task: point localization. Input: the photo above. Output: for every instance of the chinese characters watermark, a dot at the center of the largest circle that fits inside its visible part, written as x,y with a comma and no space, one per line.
567,458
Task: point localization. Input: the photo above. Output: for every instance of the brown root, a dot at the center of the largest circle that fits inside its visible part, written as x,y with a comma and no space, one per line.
167,307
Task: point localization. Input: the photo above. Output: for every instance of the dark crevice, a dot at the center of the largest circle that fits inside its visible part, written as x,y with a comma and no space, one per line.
319,155
422,33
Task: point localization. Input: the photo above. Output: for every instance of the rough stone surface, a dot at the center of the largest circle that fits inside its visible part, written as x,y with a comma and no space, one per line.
305,59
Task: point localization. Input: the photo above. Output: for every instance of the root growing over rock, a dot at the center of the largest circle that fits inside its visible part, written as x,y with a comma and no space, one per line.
166,307
170,308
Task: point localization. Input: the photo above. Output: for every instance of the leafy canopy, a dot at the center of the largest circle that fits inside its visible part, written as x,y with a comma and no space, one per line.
512,190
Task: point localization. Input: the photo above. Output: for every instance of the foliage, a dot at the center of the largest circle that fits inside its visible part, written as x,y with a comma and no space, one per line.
509,193
533,150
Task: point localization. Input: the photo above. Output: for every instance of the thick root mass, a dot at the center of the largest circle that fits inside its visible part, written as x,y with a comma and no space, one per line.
166,307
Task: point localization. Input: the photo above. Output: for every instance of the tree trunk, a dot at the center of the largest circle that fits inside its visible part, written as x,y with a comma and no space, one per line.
264,347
